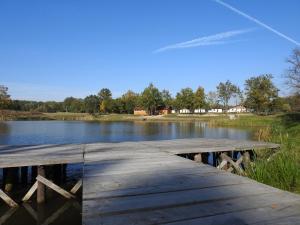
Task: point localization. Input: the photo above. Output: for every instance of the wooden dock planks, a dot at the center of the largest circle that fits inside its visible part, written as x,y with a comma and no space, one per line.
147,183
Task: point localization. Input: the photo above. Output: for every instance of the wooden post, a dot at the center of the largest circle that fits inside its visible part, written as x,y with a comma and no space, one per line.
33,173
11,177
198,158
205,157
246,159
64,172
41,186
214,155
24,174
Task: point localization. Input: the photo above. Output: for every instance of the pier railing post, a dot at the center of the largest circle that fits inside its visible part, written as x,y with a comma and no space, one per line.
41,187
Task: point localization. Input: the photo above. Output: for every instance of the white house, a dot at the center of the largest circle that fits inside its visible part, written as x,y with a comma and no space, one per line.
199,111
173,111
237,109
184,111
215,110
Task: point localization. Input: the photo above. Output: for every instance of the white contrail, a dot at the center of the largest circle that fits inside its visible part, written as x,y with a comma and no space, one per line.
257,21
215,39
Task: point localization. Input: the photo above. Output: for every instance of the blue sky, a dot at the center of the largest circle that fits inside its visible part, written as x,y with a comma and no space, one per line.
54,49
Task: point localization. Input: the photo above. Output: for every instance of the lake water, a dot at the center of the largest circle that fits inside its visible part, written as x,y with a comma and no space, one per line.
65,132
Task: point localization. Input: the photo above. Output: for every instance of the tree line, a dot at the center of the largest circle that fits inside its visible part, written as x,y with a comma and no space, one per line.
259,94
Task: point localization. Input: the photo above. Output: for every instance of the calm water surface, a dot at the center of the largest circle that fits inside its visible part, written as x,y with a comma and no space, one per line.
62,132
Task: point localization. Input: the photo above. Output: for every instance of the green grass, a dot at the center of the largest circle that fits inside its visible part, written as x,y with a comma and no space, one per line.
282,168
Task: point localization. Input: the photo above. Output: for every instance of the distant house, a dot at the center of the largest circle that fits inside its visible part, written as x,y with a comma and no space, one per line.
199,111
237,109
184,111
215,111
173,111
140,112
164,111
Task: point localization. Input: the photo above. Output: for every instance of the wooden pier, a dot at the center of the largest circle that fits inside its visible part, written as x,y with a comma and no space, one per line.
149,183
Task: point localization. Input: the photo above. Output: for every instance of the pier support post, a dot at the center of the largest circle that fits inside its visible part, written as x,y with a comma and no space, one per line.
198,158
11,177
41,186
246,159
33,173
24,174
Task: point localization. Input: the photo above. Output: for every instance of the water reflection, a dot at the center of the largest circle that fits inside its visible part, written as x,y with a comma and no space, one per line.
62,132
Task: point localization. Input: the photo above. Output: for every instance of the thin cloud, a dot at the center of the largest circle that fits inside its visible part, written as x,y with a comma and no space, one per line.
257,22
216,39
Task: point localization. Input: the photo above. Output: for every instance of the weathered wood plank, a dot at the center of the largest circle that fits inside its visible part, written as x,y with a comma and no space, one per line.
76,187
55,187
169,199
30,192
189,212
8,200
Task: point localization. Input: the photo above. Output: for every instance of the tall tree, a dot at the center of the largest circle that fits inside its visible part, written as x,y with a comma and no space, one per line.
167,98
185,99
260,93
105,98
91,104
199,99
151,99
5,101
129,100
212,99
292,75
226,91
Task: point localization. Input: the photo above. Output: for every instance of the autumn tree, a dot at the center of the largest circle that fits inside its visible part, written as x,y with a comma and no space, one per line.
199,98
105,100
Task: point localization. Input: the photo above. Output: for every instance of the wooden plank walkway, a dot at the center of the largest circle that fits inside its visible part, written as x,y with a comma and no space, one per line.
147,183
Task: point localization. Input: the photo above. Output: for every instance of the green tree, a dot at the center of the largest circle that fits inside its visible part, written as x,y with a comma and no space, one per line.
104,94
167,98
226,91
185,99
105,102
129,101
91,104
118,106
151,99
72,104
5,101
261,93
199,99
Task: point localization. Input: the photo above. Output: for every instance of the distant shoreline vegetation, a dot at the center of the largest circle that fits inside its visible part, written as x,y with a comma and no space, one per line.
260,95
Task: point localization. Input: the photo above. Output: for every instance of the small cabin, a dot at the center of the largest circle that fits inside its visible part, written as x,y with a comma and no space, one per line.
164,111
140,112
199,111
184,111
215,110
237,109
